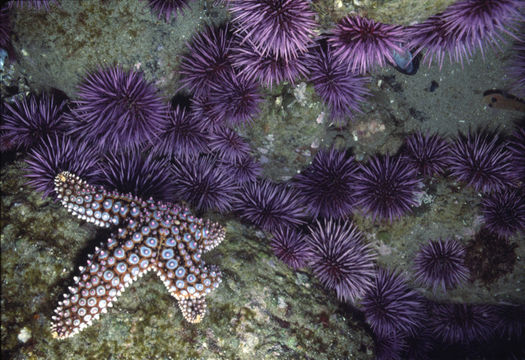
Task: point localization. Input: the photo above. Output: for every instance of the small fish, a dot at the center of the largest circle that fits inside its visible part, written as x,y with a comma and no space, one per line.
405,62
499,99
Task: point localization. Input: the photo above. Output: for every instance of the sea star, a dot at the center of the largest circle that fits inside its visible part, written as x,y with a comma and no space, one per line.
151,235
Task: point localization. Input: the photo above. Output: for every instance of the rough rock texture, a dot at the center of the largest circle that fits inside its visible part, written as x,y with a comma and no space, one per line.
56,48
262,310
403,12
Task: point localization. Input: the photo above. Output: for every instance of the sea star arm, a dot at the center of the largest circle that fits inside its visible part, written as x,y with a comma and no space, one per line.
212,235
95,204
109,271
193,309
189,285
179,264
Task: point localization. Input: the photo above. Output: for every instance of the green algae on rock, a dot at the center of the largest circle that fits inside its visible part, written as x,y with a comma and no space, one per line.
403,12
60,46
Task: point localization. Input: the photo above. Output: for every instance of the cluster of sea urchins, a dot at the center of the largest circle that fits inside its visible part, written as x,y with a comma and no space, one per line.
386,187
131,136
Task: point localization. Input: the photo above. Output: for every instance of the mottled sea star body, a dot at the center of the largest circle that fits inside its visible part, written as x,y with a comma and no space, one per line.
162,237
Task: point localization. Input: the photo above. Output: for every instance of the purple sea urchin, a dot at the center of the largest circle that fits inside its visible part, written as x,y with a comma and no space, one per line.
362,43
133,173
432,35
167,8
182,135
284,27
289,245
386,187
327,184
208,60
479,160
267,68
57,153
391,307
516,147
228,145
29,121
116,109
340,259
420,346
463,27
339,88
473,22
429,154
32,4
203,108
510,321
234,100
202,182
440,264
504,211
390,347
243,170
269,205
462,323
